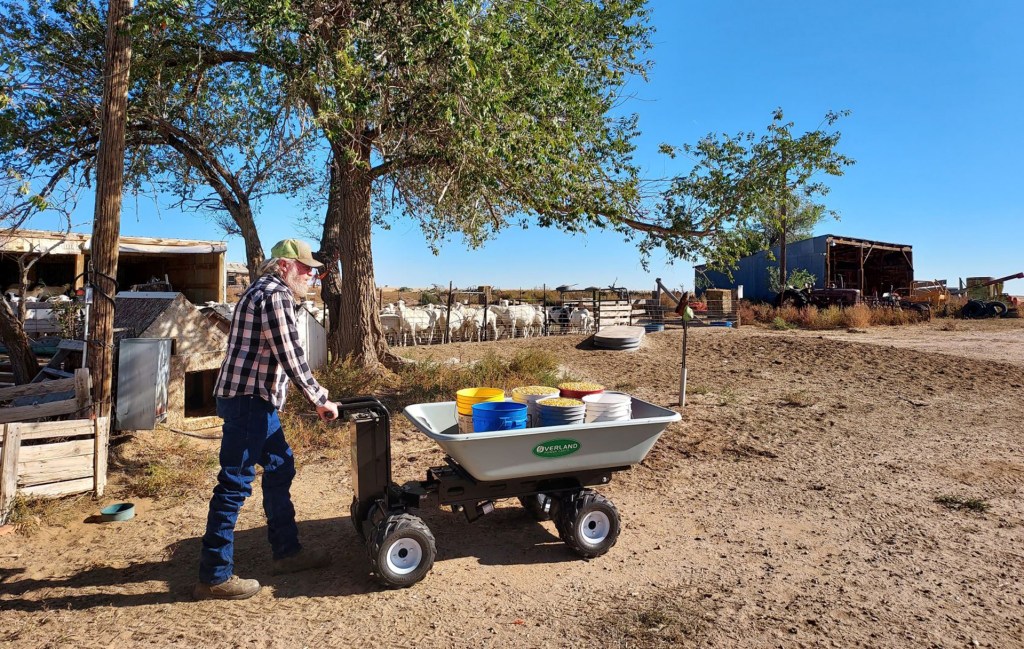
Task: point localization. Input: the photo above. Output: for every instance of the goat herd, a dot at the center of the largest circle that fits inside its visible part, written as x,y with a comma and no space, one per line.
405,325
432,323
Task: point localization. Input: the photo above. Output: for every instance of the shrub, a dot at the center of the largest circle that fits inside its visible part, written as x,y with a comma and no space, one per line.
830,318
856,317
780,323
746,313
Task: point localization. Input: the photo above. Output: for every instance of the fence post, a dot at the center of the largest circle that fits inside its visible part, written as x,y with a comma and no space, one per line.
544,302
101,437
487,302
446,336
9,468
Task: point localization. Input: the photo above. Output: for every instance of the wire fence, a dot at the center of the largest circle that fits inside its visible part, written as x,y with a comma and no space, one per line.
440,315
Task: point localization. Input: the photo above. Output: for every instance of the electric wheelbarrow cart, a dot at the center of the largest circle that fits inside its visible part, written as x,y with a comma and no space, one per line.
549,470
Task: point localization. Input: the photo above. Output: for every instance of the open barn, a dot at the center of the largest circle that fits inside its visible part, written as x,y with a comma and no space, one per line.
192,267
874,267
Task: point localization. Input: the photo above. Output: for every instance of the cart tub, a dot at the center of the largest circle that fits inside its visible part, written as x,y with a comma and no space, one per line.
526,452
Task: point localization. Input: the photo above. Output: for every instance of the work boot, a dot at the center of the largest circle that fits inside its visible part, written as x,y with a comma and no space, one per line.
304,559
233,588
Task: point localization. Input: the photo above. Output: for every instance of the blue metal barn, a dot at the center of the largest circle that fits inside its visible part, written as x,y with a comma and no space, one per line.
874,267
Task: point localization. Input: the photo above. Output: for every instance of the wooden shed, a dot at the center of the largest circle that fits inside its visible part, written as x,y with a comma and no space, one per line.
192,267
197,351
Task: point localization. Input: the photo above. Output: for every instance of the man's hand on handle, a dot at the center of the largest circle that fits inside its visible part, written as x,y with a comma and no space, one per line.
328,411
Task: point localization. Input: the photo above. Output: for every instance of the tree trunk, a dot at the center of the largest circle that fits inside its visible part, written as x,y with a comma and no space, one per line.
253,248
355,331
109,185
782,246
24,363
330,256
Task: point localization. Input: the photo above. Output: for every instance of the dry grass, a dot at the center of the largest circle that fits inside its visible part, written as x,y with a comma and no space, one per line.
422,382
679,619
29,515
428,381
860,316
857,317
162,465
957,503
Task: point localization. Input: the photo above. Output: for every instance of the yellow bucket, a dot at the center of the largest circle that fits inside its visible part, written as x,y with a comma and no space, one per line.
466,397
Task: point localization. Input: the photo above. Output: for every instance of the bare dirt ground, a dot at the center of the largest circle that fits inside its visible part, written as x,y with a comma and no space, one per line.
795,505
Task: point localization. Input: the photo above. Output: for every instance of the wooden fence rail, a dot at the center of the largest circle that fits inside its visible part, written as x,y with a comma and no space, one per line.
51,458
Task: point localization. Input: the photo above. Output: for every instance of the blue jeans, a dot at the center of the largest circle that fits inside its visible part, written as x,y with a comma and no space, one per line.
252,435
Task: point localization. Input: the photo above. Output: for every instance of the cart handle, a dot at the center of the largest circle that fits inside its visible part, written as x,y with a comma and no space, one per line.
371,403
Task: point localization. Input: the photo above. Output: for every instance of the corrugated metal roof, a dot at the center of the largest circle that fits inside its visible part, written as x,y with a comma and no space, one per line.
134,315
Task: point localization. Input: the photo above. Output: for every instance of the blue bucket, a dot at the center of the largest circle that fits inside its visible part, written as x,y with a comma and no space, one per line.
498,415
654,327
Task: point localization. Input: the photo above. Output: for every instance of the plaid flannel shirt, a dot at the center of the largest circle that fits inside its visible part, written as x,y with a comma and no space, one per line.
264,350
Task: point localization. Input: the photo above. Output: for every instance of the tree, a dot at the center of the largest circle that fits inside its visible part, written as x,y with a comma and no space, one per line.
764,234
210,128
790,165
738,196
467,117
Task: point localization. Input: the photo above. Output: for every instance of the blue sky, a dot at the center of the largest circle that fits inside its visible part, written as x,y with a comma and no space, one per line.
936,91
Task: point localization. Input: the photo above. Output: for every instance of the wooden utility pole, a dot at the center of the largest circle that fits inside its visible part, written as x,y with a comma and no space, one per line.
106,227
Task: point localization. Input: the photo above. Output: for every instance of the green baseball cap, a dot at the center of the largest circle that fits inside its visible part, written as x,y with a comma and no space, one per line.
295,249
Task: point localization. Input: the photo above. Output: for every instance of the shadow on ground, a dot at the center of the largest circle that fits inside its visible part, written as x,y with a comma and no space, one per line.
509,536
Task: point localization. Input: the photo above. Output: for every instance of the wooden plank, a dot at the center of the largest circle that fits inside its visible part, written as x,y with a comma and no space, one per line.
57,374
71,345
44,387
83,397
47,429
9,469
25,413
102,445
77,486
36,472
56,450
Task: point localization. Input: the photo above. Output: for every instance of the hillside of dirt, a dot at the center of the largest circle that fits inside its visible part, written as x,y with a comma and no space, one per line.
821,490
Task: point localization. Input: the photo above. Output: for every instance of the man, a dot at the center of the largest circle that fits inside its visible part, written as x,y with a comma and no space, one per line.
263,355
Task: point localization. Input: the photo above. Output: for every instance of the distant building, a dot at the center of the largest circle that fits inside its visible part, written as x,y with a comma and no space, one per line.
874,267
194,268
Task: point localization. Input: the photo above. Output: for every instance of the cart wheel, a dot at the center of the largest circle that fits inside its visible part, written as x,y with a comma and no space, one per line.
589,524
401,550
540,506
354,515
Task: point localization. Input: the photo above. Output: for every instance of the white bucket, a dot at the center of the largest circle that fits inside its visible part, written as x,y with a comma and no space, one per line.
465,424
608,406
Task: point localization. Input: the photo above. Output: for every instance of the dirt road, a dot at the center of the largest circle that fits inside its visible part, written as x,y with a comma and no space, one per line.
795,505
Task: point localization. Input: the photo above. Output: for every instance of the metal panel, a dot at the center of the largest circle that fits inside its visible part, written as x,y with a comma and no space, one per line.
143,373
752,272
313,338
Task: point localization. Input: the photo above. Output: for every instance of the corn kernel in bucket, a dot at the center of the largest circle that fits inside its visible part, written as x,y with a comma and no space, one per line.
561,402
580,386
534,390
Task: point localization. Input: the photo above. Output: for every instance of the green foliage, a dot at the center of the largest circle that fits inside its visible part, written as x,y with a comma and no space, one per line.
213,128
69,318
429,297
470,117
780,324
732,200
798,277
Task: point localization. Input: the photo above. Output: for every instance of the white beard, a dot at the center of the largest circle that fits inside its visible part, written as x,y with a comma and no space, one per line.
299,284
